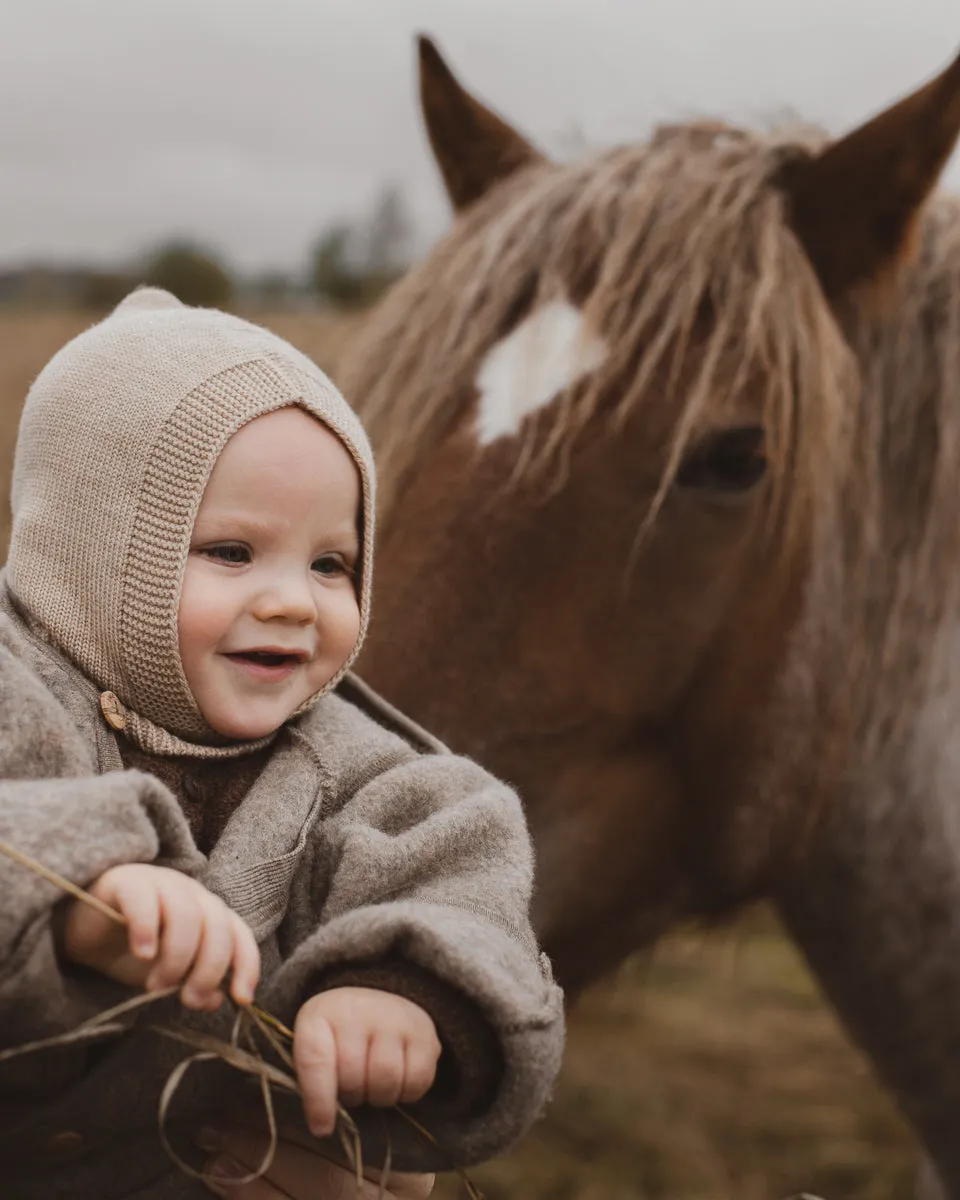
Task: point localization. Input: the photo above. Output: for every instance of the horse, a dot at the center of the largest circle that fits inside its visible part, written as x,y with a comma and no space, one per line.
668,440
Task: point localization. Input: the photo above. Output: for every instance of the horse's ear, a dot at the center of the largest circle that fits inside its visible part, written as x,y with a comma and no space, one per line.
854,205
474,148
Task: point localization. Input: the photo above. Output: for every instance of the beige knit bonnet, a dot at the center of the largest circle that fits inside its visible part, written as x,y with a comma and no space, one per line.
117,440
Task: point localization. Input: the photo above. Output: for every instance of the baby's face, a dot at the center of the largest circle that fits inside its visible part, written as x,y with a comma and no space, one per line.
268,609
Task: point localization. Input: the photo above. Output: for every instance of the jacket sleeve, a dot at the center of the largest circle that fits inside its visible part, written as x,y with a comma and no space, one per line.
56,809
423,877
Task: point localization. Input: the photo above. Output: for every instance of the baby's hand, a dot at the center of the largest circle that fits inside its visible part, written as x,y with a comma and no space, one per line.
365,1046
177,932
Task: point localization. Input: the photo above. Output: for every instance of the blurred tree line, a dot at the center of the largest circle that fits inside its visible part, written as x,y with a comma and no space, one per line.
350,265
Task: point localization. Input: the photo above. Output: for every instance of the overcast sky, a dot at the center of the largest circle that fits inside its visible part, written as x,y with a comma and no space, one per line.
250,124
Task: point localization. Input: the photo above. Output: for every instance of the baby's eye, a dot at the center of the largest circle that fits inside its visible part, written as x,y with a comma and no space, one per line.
330,565
230,552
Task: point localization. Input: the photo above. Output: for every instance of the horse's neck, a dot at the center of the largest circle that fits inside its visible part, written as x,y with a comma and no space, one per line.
898,599
875,903
876,907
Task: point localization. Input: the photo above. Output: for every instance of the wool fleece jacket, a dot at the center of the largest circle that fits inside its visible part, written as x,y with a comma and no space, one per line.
363,853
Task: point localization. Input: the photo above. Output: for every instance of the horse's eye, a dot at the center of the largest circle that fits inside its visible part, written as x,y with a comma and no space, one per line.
730,461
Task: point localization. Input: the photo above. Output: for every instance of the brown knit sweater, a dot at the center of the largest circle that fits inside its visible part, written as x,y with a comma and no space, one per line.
209,790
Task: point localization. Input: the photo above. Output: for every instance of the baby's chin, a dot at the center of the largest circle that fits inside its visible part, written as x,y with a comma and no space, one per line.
247,727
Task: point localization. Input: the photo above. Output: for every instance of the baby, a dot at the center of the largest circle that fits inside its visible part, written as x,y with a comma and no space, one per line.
187,586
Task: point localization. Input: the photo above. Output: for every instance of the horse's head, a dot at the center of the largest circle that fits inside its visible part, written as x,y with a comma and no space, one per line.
618,418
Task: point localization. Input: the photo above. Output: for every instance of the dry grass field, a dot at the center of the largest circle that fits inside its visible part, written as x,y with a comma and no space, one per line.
708,1070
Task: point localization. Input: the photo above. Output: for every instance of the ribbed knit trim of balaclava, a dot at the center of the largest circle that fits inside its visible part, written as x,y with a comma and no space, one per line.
117,440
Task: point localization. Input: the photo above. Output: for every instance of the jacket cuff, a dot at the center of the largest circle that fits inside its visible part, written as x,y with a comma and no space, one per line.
471,1065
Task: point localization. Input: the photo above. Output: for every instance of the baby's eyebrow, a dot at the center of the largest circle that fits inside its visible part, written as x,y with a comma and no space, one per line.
225,526
347,532
232,524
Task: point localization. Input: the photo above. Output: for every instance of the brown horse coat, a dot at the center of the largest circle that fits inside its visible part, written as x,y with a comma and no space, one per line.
668,445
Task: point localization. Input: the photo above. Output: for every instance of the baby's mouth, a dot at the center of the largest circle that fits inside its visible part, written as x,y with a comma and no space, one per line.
265,658
269,665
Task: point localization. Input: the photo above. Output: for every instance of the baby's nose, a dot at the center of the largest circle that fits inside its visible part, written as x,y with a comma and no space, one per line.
289,599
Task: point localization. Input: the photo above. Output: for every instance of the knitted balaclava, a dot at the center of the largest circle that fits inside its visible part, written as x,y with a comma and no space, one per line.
118,437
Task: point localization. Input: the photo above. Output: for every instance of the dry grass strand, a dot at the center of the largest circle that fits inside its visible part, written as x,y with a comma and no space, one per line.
208,1048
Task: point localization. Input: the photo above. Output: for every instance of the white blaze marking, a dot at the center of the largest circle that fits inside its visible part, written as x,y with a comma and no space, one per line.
542,357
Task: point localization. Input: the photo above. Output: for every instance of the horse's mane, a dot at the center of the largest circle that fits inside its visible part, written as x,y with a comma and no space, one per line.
680,253
679,249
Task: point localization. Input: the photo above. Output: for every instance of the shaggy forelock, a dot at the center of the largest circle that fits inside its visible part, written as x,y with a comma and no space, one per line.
862,424
644,239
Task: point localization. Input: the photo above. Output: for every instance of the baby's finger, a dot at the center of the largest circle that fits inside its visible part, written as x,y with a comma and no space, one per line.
420,1069
246,962
352,1055
180,932
141,908
213,957
385,1070
315,1057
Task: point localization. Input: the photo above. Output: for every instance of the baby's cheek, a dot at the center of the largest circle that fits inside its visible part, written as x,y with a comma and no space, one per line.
202,618
349,622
